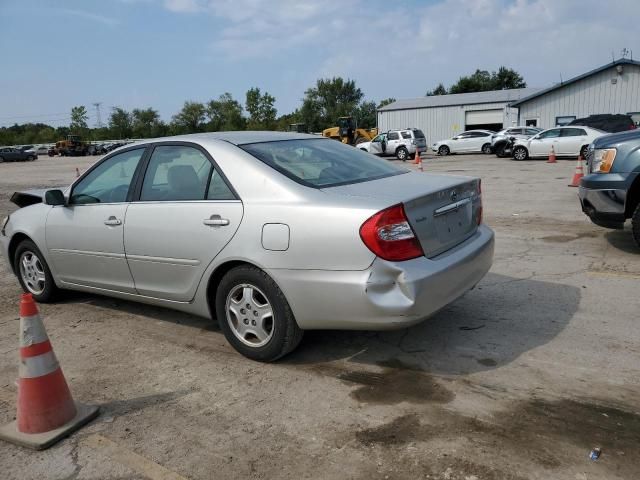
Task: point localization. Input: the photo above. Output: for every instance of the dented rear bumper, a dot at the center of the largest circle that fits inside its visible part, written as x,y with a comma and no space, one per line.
387,295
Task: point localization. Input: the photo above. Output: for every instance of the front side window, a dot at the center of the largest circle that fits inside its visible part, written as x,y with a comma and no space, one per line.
175,173
553,133
109,182
321,163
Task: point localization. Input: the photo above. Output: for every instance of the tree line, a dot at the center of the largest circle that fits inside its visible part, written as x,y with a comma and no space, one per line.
322,105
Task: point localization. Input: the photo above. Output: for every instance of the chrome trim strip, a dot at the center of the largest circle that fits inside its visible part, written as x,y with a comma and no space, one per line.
451,207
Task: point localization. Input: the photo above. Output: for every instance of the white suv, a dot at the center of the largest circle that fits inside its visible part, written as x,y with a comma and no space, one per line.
401,143
471,141
566,142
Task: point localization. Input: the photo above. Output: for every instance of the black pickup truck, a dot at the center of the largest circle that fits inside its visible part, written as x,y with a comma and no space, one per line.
610,192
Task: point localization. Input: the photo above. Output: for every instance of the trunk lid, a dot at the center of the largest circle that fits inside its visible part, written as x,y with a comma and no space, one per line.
443,210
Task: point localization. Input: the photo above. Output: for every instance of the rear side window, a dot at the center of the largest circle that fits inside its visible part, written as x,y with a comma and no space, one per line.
321,162
393,136
406,135
573,132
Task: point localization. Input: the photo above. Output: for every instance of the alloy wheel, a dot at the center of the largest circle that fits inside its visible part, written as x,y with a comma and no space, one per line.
32,273
250,315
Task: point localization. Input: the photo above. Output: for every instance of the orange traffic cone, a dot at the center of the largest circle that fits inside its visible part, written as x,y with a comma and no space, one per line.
552,156
579,173
46,411
417,158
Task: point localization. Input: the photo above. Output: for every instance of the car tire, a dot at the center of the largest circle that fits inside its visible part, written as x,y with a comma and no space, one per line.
1,159
33,273
583,151
635,225
500,151
520,153
402,154
486,148
277,336
31,158
443,151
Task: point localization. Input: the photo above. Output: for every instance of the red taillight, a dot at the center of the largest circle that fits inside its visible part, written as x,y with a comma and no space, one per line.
389,235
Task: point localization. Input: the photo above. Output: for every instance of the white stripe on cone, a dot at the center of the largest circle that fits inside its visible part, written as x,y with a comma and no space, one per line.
33,367
32,331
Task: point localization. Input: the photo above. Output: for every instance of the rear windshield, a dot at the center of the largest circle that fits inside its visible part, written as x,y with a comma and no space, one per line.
321,162
418,133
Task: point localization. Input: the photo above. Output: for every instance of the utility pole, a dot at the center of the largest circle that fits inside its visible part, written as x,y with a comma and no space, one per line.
98,119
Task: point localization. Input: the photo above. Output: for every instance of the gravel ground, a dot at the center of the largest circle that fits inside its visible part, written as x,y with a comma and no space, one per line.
519,379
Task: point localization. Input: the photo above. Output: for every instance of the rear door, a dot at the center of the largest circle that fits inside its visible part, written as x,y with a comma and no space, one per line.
393,142
571,140
185,214
460,144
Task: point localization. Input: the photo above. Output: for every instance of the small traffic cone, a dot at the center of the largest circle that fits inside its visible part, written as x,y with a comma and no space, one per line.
77,172
417,160
46,411
579,173
552,156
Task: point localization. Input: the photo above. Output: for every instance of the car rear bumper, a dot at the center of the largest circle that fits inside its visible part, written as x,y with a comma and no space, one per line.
603,197
387,295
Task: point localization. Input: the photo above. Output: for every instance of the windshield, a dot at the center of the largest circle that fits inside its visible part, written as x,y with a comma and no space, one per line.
321,162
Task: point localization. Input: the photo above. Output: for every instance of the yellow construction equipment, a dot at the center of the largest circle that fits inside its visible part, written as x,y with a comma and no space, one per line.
348,132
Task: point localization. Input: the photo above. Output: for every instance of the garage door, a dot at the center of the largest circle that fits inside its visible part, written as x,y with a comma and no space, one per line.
483,117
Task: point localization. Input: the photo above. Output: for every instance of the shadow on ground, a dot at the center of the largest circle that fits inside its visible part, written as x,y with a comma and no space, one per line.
489,327
622,240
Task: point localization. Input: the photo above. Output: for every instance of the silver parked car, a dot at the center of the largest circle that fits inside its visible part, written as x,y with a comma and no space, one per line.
270,233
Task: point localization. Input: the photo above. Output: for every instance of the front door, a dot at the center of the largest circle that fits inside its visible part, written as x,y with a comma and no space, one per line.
378,145
541,144
185,216
85,238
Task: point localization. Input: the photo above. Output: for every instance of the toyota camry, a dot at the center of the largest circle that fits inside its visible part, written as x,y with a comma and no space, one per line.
270,233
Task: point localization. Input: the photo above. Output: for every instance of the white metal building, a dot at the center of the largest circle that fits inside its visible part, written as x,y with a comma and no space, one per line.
443,116
612,88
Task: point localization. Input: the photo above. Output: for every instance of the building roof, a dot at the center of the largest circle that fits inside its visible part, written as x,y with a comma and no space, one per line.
544,91
493,96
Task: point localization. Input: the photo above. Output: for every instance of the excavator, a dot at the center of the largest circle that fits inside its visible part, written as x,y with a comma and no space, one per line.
72,146
348,132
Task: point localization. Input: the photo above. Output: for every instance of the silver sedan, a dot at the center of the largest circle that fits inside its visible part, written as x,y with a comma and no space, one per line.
270,233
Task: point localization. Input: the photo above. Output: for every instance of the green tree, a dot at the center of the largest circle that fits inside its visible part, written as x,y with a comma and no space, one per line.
262,113
79,119
439,90
482,81
507,78
366,115
225,114
386,101
120,123
330,99
146,123
190,119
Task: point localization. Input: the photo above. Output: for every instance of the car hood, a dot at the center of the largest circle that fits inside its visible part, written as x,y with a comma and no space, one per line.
615,138
364,145
399,188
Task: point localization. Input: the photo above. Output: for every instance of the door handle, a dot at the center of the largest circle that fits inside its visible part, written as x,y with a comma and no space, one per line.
112,221
215,221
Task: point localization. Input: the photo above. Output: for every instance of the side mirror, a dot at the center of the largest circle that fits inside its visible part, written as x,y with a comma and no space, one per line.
54,198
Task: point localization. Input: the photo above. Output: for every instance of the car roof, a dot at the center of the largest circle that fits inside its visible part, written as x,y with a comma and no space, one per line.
235,138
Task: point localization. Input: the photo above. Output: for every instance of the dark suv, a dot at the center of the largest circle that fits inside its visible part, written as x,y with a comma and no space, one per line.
610,193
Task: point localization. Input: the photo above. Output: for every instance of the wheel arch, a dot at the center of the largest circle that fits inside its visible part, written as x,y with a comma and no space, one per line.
216,277
633,198
16,240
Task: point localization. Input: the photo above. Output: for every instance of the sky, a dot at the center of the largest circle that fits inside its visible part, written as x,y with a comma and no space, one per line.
158,53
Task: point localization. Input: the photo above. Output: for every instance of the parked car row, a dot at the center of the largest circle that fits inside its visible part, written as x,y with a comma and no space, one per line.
11,154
